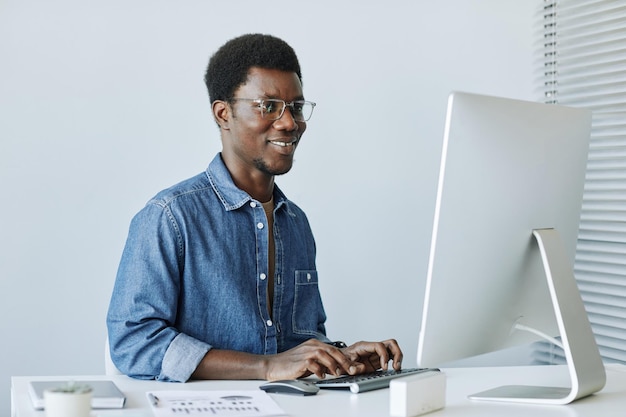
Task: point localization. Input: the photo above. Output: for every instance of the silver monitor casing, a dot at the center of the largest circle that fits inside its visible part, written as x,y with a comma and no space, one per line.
504,239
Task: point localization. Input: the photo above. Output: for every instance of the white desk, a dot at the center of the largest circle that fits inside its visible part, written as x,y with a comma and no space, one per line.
611,401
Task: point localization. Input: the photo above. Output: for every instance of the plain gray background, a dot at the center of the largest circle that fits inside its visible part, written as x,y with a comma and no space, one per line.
102,104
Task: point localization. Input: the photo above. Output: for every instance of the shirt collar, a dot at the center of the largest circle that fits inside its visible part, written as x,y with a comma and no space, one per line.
229,194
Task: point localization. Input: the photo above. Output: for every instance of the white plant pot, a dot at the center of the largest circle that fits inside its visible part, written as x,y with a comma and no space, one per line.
61,402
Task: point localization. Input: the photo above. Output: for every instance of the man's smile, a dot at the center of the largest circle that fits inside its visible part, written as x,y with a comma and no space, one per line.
285,143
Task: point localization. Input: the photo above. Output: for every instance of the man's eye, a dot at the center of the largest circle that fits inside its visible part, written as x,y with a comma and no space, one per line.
297,108
270,107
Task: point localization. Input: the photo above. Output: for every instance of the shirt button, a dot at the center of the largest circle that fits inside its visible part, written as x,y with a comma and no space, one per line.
263,276
269,322
259,225
252,204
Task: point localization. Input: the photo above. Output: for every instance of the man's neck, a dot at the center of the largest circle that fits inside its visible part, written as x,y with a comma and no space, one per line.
259,185
260,193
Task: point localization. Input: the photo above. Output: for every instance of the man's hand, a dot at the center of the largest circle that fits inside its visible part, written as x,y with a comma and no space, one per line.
312,357
375,355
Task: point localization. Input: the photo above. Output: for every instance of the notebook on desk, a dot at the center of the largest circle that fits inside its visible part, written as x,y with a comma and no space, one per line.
105,394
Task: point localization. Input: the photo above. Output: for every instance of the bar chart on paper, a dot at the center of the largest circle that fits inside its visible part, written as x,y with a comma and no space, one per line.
248,403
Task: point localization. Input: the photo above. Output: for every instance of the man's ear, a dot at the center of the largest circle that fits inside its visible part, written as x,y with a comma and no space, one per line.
222,114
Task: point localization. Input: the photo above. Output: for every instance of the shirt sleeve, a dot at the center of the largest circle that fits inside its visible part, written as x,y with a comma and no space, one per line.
142,313
182,358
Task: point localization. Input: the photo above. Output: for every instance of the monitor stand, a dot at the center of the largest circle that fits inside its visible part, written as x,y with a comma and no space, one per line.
584,363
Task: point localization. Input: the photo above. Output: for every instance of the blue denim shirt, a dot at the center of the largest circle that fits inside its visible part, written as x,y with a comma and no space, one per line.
193,277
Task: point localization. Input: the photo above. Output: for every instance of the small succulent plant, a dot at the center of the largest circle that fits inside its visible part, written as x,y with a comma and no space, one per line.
72,388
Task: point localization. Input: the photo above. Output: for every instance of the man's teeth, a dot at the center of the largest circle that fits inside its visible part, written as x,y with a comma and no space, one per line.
279,143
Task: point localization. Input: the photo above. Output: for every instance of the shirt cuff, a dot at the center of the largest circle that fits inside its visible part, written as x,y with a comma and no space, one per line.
182,358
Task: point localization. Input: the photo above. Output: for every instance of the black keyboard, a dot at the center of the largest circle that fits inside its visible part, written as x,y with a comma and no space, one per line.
369,381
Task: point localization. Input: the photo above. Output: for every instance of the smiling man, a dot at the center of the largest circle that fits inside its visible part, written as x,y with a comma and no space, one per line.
217,279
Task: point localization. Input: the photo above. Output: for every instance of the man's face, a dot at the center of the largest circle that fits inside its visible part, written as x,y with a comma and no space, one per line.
256,144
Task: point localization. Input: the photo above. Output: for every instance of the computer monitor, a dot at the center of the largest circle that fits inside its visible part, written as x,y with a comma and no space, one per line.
504,238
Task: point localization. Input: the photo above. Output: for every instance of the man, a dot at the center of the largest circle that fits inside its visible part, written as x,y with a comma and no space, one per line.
217,279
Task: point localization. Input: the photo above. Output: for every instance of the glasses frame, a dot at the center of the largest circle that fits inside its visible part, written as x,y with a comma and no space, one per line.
291,104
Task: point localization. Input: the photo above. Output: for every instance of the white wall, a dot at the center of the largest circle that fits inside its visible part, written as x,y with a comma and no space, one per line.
102,104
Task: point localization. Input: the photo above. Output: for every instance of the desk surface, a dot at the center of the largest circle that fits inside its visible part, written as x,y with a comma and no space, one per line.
461,382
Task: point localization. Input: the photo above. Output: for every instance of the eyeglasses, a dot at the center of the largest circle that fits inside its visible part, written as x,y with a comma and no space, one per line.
273,109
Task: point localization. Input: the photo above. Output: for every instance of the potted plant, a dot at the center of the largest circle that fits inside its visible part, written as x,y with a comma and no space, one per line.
68,400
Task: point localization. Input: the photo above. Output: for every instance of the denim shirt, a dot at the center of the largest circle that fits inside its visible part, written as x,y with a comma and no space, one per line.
193,276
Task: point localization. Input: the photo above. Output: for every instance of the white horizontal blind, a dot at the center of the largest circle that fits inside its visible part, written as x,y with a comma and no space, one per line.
582,63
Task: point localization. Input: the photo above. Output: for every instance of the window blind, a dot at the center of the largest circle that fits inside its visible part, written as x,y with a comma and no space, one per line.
582,63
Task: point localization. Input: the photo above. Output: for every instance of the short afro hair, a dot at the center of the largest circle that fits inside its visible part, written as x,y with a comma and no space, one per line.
228,67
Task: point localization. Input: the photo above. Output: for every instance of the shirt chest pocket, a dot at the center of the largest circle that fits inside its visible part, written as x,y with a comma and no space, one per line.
308,312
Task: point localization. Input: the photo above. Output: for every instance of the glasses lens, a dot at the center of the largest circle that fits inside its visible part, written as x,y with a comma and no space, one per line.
273,109
302,110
